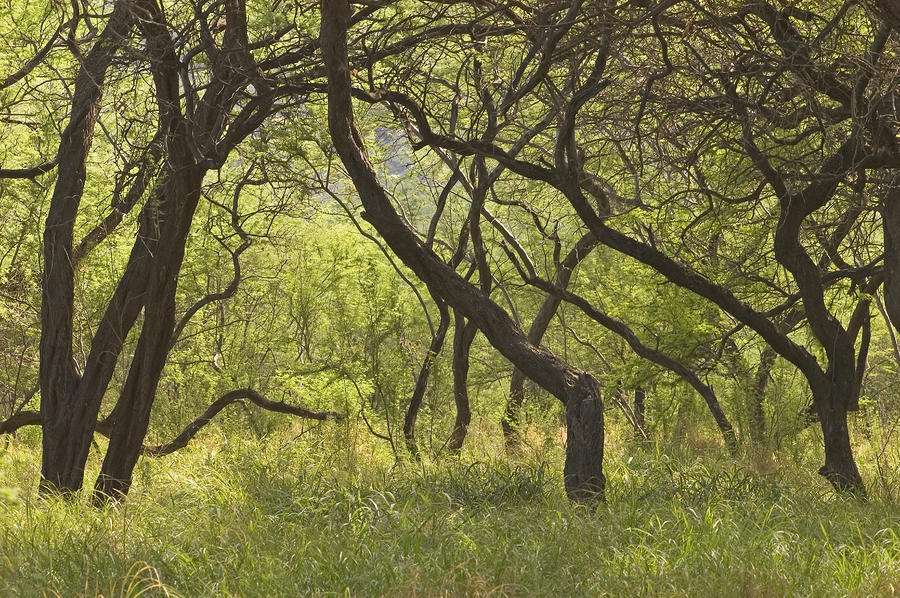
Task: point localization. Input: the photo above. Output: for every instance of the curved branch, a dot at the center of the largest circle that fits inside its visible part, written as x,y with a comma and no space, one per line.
33,418
653,355
225,400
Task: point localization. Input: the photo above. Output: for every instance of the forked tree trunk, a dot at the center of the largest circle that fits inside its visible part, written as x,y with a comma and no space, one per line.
511,421
463,335
68,422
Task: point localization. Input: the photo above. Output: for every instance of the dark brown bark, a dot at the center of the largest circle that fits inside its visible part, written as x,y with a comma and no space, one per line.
221,403
840,465
565,382
176,210
512,414
190,148
583,471
758,397
68,421
418,395
463,335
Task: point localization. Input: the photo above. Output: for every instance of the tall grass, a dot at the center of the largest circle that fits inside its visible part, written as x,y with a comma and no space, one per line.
320,516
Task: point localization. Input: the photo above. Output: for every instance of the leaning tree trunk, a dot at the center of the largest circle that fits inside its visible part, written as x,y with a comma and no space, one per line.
463,335
178,201
584,460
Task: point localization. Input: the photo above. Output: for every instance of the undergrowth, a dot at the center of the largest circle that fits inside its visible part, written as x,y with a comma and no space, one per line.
313,516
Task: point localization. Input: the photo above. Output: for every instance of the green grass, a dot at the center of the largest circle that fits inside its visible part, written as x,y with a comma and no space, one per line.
291,517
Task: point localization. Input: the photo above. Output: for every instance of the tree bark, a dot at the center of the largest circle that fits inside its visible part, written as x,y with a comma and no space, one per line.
463,335
584,479
840,466
193,146
175,210
542,366
68,421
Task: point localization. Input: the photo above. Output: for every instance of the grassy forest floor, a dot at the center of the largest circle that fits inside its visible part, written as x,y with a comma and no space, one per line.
324,515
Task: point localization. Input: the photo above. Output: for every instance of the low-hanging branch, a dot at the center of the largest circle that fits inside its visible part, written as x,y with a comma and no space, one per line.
33,418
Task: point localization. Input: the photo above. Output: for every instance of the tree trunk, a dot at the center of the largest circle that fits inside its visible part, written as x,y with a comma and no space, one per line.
640,410
540,365
418,396
758,397
840,466
68,424
179,198
583,472
463,335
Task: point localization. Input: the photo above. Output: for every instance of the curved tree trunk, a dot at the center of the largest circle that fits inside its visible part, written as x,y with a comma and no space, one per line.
584,456
463,335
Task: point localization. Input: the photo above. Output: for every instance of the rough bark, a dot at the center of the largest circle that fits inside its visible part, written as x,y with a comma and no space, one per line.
67,420
583,471
542,366
840,465
463,335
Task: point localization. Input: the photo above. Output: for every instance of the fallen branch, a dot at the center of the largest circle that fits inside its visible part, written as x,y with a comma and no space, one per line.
33,418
